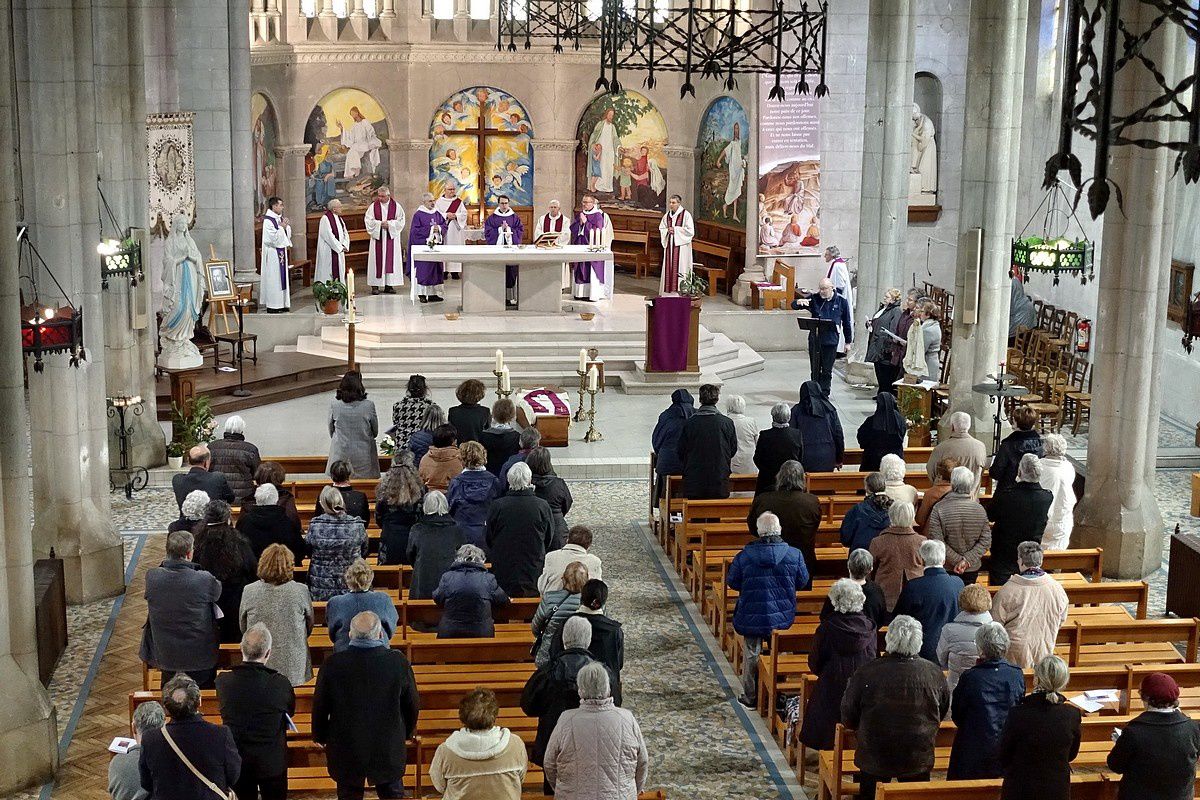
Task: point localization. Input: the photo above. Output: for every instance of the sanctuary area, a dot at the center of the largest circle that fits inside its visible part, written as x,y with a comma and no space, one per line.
600,399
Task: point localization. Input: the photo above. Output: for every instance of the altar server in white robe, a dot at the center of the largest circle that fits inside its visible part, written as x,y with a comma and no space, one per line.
451,206
839,273
555,222
274,292
677,230
592,280
385,261
333,242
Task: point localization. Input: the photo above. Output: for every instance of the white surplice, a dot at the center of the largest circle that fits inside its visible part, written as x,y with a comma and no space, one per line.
676,231
562,226
384,222
332,240
274,288
456,226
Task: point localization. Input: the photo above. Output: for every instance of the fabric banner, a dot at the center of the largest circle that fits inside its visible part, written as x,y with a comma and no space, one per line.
171,170
789,173
671,333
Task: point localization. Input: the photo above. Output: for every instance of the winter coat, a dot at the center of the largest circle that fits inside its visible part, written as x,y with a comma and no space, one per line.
821,440
439,466
897,560
607,647
874,608
287,612
556,608
352,431
775,447
520,529
746,433
706,448
469,420
406,417
799,515
1019,513
394,526
180,634
666,433
968,451
549,692
877,444
901,492
264,526
287,501
895,704
555,492
767,573
234,576
471,494
597,753
419,442
1032,608
209,747
980,705
1058,476
557,561
255,701
1155,756
516,458
956,650
356,503
931,600
931,334
879,344
432,543
932,495
842,644
1037,745
213,484
1008,457
236,459
501,442
862,523
962,523
480,765
466,595
899,350
334,541
341,610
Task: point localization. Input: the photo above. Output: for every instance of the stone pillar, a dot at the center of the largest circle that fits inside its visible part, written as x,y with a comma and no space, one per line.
753,267
887,133
992,138
553,173
410,173
681,175
293,191
28,734
242,167
1118,511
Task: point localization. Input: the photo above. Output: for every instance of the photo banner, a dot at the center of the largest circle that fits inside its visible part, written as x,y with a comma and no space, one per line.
789,173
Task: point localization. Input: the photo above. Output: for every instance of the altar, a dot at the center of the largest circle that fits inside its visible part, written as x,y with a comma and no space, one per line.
539,285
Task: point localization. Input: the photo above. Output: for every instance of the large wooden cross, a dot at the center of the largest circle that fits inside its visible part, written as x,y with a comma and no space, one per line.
481,133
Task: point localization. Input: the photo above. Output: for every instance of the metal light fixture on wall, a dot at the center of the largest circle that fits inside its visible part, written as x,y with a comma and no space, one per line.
1054,252
46,330
117,256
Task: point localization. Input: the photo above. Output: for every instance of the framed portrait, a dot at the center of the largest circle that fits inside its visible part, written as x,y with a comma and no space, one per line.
1179,293
219,275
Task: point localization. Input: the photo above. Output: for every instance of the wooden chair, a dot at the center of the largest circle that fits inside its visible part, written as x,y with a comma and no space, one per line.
779,292
1051,388
1079,398
713,274
633,250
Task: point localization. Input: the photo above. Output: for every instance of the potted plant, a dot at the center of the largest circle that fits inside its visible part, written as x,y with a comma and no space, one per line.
693,285
192,425
175,455
329,295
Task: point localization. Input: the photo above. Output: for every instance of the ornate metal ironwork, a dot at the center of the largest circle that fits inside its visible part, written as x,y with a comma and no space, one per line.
136,478
1098,46
120,258
47,329
1052,250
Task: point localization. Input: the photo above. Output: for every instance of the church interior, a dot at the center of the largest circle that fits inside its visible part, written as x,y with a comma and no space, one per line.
901,217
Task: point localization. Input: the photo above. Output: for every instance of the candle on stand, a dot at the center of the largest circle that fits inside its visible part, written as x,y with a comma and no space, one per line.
350,284
505,386
499,360
593,379
582,360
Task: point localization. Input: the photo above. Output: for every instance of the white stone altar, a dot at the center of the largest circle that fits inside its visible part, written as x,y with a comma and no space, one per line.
539,285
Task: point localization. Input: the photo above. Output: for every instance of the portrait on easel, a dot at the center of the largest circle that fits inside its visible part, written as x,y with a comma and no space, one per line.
220,280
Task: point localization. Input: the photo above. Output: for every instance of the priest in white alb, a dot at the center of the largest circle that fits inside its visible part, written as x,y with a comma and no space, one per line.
454,210
384,221
333,242
554,221
274,291
676,229
592,280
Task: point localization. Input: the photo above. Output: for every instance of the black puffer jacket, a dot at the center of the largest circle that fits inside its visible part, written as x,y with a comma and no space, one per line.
1008,457
236,459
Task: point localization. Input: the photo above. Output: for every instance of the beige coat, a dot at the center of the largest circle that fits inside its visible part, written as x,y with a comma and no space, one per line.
965,449
439,466
596,753
480,765
1032,609
895,554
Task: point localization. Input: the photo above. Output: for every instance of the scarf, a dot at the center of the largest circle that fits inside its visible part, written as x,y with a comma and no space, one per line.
813,401
385,238
336,256
281,253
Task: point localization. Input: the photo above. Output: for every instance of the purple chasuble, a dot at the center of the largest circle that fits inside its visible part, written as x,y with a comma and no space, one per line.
581,234
428,273
491,233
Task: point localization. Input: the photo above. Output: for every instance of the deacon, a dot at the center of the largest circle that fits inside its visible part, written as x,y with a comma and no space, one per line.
676,229
385,261
274,292
504,227
592,226
427,276
826,339
451,206
555,222
333,242
839,275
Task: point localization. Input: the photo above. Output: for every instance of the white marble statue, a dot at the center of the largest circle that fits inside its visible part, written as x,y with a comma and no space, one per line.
182,295
923,176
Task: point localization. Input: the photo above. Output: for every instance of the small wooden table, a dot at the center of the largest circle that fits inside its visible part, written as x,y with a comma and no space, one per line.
236,342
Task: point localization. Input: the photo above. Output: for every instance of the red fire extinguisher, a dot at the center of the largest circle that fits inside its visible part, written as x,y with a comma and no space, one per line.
1083,335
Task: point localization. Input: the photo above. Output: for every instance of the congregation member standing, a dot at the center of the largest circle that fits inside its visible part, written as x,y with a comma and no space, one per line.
467,593
859,566
428,277
341,610
815,417
357,505
556,607
746,431
868,517
881,328
1024,439
894,472
471,493
384,221
432,544
1018,513
957,651
191,511
931,599
776,446
959,445
940,488
501,439
235,458
676,230
180,634
895,551
1032,606
665,438
274,290
469,418
408,413
442,463
353,426
397,506
454,211
706,448
608,637
265,523
284,606
1155,754
479,761
552,489
124,780
421,439
579,541
834,329
592,226
882,433
227,556
210,752
528,438
520,531
1040,738
961,522
504,228
979,707
335,539
333,243
799,512
200,477
1058,477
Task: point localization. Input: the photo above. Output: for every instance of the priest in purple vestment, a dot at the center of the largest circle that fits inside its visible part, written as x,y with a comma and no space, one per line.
502,227
428,276
592,226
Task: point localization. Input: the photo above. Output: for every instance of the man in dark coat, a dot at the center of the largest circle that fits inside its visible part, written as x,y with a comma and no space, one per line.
1155,754
1021,441
256,702
608,638
982,699
799,512
520,530
931,599
1019,513
209,747
235,458
666,437
181,633
706,446
364,707
833,311
776,446
200,477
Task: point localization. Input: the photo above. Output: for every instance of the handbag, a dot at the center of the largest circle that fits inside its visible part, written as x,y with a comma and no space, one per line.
192,767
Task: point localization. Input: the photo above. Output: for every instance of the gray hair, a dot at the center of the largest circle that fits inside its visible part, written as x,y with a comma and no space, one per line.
181,696
962,480
768,524
530,438
331,500
520,476
893,468
903,636
1054,445
592,682
833,250
1050,675
1029,554
194,504
435,504
991,639
960,422
1029,469
735,404
427,195
469,554
932,552
874,483
846,596
366,626
434,416
359,576
781,414
266,495
235,424
256,643
180,543
577,632
860,563
902,515
149,717
791,477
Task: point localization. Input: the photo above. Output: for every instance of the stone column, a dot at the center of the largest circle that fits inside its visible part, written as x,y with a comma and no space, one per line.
410,173
242,166
553,173
887,126
681,175
992,137
28,735
293,192
1118,511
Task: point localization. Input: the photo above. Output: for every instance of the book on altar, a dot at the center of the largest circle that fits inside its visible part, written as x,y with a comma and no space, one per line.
545,401
548,239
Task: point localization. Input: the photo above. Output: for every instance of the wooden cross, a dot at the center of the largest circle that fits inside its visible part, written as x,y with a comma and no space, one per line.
481,133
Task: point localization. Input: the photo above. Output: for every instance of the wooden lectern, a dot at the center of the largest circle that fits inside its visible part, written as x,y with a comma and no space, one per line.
693,340
916,398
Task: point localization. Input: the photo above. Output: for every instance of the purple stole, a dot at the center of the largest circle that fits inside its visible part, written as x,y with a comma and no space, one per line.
281,252
833,264
384,236
338,258
671,265
549,226
560,408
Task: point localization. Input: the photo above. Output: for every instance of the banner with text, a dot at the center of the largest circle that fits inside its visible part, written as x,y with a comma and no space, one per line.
789,172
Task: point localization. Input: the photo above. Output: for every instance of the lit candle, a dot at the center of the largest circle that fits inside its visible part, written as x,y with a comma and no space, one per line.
593,379
582,360
505,386
499,361
350,283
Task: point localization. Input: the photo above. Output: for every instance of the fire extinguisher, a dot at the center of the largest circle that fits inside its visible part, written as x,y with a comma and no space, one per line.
1083,335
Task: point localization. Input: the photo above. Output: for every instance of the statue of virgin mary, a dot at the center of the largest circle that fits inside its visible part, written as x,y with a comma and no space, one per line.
183,294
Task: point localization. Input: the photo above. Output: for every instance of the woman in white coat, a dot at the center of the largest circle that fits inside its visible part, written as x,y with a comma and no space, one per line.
747,436
1058,475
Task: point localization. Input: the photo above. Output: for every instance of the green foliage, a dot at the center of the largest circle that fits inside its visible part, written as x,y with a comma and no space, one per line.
193,424
626,111
324,291
693,284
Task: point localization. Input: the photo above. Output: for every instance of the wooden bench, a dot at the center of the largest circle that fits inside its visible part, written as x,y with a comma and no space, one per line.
633,249
714,262
1140,641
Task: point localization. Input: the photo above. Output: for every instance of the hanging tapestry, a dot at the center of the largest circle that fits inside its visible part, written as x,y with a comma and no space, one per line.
171,170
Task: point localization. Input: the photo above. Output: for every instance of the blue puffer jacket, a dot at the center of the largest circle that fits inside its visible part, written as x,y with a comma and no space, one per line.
982,699
471,493
767,574
862,523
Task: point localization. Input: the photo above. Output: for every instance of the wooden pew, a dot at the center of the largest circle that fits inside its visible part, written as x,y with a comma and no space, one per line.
714,261
1140,641
632,248
1089,786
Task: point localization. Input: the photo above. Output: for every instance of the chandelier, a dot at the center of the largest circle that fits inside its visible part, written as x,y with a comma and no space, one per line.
117,256
1098,46
1051,251
48,329
694,38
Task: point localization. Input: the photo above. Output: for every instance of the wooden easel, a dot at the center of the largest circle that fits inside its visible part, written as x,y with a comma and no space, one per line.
220,308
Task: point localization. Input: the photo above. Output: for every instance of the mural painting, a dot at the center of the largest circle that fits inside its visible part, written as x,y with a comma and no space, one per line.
622,157
348,158
724,146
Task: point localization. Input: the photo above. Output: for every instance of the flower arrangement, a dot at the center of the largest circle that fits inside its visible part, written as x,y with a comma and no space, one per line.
388,445
193,424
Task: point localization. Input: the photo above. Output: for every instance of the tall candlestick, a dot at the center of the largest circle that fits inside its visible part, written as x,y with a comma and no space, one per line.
582,360
499,360
505,386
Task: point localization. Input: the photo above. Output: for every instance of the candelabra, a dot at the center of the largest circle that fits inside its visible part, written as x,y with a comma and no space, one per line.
592,434
502,391
136,478
580,414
